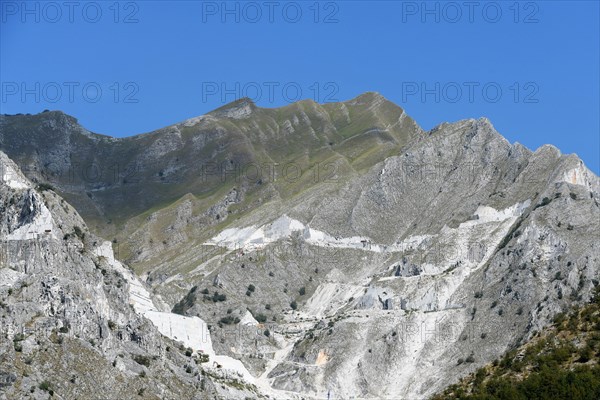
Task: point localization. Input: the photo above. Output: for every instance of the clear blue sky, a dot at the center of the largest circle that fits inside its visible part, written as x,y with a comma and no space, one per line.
157,63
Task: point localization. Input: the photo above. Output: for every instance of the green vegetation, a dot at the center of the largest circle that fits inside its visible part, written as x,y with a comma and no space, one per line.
261,318
46,387
18,338
78,232
229,320
561,363
218,297
188,301
294,305
42,187
142,360
545,202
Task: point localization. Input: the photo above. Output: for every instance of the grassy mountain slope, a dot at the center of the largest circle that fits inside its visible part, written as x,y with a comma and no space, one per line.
111,180
560,362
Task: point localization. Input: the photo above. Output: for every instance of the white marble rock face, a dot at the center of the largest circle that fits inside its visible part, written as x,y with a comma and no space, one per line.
370,283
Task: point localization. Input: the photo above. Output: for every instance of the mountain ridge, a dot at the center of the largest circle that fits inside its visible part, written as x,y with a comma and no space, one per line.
332,230
376,99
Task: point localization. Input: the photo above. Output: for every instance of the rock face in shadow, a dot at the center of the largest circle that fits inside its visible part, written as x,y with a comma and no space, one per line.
68,311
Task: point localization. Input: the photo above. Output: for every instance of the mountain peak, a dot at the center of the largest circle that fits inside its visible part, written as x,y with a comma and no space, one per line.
237,109
368,98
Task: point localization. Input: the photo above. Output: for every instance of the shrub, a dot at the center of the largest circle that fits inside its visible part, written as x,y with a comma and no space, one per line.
267,306
229,320
251,288
79,232
42,187
45,386
302,291
478,295
545,202
494,304
586,353
267,333
218,297
112,325
142,360
261,318
557,276
294,305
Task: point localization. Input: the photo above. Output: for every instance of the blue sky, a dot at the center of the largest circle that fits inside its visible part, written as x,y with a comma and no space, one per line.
532,68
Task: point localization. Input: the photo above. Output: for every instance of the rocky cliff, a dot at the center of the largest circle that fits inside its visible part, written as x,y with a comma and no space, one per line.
76,323
333,250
